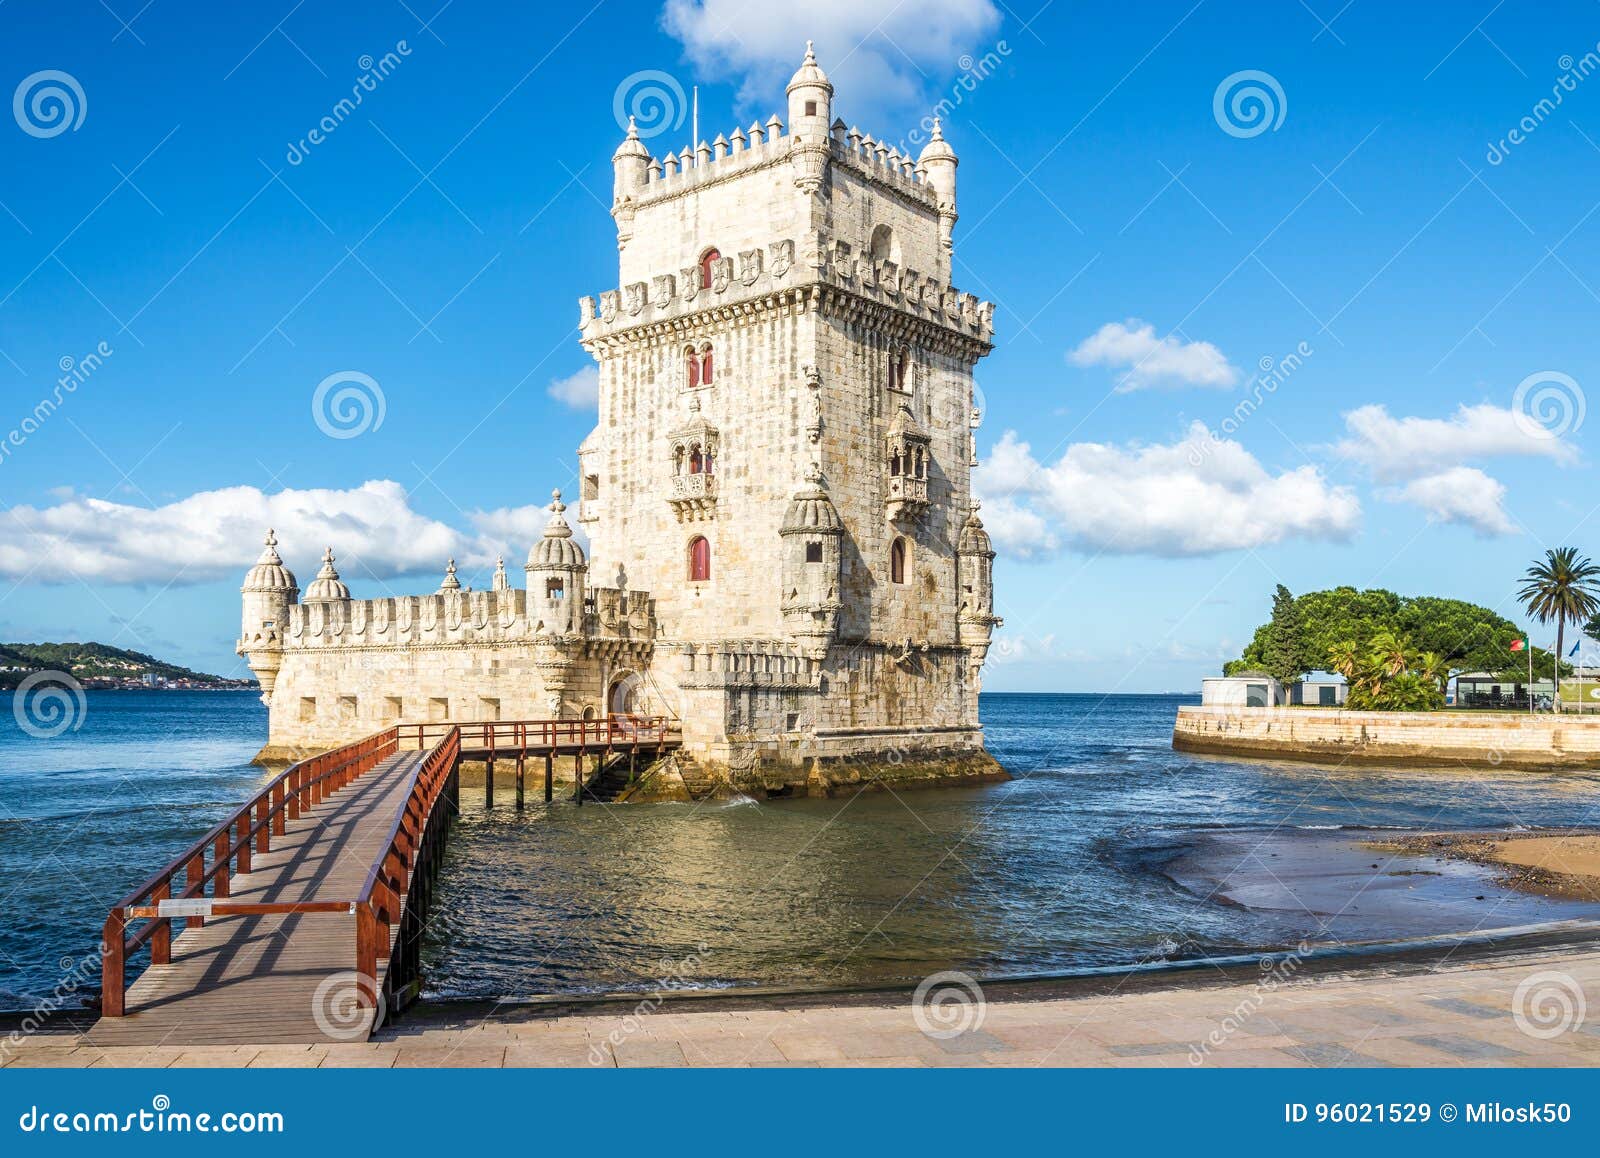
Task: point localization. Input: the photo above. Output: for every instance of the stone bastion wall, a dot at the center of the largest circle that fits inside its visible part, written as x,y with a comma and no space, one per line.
1460,738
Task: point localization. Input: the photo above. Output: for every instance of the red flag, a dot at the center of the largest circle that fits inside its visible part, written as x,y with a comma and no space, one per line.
1518,644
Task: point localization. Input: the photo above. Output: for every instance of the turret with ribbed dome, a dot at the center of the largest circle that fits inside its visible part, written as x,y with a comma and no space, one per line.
976,619
812,534
938,163
326,587
269,591
556,570
810,111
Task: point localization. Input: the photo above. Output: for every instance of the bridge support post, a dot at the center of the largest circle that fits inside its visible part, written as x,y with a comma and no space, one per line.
522,761
488,784
577,766
549,776
113,945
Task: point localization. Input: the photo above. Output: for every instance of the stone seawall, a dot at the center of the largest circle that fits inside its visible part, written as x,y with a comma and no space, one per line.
1464,738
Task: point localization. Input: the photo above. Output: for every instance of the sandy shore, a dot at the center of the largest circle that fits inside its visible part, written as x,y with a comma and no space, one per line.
1564,864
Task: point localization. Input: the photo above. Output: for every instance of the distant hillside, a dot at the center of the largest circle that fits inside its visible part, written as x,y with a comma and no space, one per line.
101,665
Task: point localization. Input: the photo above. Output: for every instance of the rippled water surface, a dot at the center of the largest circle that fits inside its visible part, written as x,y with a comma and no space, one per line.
1059,868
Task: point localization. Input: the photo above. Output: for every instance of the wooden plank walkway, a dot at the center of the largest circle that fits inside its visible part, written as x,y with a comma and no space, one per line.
255,979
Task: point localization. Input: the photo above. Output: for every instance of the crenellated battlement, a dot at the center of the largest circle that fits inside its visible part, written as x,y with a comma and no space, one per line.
755,274
459,617
735,154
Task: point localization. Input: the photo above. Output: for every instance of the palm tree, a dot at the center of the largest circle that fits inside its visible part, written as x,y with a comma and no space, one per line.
1390,653
1431,666
1564,587
1343,658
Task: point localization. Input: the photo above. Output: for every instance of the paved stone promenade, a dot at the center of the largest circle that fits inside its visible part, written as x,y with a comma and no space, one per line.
1456,1013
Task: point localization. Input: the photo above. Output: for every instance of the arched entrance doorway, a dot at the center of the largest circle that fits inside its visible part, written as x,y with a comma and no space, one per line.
626,696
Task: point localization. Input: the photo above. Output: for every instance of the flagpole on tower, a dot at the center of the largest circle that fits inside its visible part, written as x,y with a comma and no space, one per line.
695,123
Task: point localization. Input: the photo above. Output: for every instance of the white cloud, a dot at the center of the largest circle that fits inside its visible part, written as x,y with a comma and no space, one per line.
217,535
1400,448
1200,496
581,391
1152,361
1462,495
879,55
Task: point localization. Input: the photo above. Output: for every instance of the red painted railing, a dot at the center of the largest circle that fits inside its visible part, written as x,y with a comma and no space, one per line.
248,830
399,885
512,736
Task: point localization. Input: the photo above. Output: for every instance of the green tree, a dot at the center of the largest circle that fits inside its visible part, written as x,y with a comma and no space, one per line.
1285,646
1563,586
1468,636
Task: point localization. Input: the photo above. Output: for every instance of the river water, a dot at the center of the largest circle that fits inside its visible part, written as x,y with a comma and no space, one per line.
1106,848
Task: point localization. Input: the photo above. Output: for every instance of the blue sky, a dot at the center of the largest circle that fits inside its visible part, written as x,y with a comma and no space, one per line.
1149,247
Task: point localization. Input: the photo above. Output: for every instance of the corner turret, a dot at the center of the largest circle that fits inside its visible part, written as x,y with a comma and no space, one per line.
938,162
810,111
630,170
269,590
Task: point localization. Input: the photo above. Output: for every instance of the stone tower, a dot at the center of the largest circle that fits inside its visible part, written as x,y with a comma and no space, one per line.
783,457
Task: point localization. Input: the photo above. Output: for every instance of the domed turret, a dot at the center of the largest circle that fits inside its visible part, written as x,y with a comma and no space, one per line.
326,587
938,162
451,583
976,619
556,571
269,573
630,172
268,592
812,533
810,104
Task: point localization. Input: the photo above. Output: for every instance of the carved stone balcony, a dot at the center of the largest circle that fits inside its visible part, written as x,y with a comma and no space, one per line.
907,496
694,497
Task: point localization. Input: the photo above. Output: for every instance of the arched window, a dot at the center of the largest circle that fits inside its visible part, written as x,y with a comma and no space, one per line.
922,465
897,561
884,245
699,559
705,364
899,370
707,260
691,367
697,462
894,465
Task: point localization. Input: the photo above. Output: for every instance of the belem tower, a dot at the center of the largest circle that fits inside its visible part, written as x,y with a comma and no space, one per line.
784,556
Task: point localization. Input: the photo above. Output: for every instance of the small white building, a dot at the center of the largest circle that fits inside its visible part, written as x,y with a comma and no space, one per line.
1320,689
1242,691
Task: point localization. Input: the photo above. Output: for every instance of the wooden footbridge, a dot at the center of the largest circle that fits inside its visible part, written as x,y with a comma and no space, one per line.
299,917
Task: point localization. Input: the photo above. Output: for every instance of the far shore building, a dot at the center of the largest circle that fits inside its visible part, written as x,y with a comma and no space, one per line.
784,556
1249,690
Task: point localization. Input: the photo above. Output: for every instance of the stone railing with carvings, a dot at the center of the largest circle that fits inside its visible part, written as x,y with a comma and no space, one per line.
906,494
694,496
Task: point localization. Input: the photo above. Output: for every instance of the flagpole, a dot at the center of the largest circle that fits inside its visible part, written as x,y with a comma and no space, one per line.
1530,673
